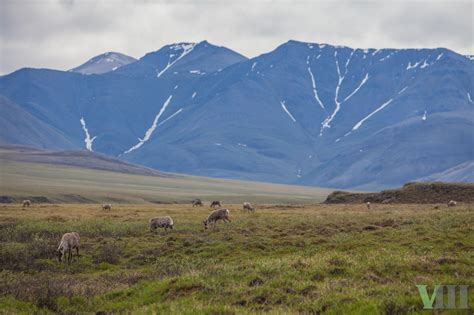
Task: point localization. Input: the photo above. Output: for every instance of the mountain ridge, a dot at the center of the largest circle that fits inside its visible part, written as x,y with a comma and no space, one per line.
304,113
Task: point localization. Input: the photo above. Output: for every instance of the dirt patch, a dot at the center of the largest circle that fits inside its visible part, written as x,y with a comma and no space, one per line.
184,290
369,228
256,282
446,260
259,299
386,223
421,193
337,271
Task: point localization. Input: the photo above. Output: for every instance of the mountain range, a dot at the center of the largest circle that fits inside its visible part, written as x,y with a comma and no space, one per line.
304,113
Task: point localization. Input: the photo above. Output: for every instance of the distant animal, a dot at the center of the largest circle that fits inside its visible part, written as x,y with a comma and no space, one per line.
161,222
197,203
216,215
26,203
248,206
69,241
367,204
215,203
107,206
452,203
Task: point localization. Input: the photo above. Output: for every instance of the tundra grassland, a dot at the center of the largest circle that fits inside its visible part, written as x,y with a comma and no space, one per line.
71,184
282,259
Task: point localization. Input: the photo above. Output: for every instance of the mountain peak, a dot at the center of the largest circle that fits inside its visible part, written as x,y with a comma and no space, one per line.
189,45
296,43
103,63
188,58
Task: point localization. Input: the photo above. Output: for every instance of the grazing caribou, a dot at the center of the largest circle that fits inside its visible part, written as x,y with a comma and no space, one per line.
216,204
452,203
248,206
69,241
216,215
161,222
197,203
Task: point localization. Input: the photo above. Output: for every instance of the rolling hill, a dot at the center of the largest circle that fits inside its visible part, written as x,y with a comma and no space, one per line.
86,177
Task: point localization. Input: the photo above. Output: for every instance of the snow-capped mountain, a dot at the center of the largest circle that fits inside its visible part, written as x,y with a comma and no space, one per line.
109,61
305,113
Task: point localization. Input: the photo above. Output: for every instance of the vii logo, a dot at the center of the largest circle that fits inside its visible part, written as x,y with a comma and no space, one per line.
436,301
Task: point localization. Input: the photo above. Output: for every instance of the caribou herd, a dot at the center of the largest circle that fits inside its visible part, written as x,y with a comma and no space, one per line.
71,241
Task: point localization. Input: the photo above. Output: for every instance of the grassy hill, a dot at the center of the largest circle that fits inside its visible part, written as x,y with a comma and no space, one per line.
74,184
435,192
77,158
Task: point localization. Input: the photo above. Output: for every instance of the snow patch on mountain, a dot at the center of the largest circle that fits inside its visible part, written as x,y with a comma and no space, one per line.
150,130
327,122
253,66
388,56
358,87
359,124
376,51
410,66
315,91
171,116
88,140
424,116
425,64
186,49
287,111
403,90
197,72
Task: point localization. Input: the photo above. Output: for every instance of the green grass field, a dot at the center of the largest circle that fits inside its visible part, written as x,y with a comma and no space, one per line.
74,185
283,259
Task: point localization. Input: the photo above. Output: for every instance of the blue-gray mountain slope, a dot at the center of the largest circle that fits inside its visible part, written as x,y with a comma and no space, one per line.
304,113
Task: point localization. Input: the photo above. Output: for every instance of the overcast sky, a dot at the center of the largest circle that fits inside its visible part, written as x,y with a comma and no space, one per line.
63,34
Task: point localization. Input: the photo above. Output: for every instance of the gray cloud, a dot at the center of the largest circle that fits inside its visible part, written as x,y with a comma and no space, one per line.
63,34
